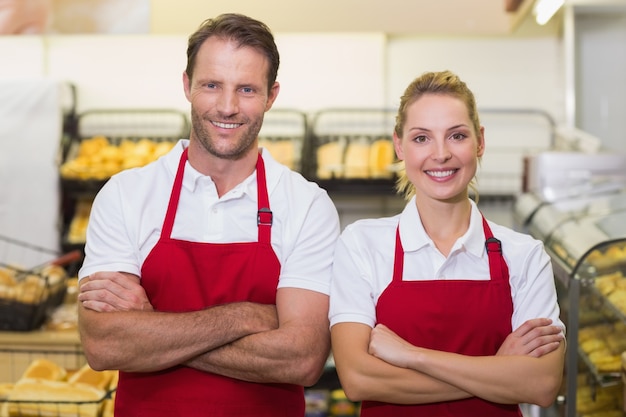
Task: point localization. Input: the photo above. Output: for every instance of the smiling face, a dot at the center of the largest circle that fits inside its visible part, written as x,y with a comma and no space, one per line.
228,96
440,147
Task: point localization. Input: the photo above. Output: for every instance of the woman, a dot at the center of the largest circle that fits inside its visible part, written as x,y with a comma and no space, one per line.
423,304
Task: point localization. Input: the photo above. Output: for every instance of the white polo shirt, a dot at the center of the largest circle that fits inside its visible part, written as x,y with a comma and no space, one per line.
364,257
128,212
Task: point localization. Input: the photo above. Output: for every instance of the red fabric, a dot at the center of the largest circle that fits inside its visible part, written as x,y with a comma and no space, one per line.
469,317
184,276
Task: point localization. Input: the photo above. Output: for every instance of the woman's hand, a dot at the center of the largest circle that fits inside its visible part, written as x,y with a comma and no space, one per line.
534,338
388,346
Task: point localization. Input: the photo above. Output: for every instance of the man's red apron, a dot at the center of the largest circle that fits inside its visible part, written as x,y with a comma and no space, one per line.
183,276
469,317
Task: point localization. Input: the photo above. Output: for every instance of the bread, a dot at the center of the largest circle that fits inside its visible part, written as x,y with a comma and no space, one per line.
44,369
54,274
5,390
7,277
381,156
108,407
330,160
282,151
98,379
54,398
31,290
592,345
595,399
97,158
613,256
114,381
607,283
357,160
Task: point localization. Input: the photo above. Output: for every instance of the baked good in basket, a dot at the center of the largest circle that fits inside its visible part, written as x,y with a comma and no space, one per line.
98,379
44,369
41,398
5,390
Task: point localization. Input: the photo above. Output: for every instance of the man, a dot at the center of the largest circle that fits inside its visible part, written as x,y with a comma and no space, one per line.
206,273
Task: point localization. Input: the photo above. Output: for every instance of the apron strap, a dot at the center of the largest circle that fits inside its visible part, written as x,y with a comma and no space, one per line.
265,217
497,265
172,207
398,263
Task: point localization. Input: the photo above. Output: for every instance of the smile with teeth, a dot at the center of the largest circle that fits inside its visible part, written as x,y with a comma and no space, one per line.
441,174
226,125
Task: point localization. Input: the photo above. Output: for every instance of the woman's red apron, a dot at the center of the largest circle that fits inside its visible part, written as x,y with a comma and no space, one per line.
183,276
469,317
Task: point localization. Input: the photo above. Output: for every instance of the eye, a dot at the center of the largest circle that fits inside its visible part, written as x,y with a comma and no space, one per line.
247,90
458,136
420,139
211,86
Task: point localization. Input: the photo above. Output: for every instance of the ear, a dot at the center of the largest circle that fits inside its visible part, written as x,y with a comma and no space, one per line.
273,93
397,145
187,86
481,142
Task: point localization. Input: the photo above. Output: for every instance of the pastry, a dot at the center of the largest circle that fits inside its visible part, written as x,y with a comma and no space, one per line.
54,398
330,160
381,156
357,160
44,369
86,375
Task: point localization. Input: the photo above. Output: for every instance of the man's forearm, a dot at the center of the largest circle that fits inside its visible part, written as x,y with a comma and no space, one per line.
137,341
278,356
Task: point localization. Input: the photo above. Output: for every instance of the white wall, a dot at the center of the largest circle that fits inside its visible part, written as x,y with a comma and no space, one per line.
601,81
23,57
502,72
317,70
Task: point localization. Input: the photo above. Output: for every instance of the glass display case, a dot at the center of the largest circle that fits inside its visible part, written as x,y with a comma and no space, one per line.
586,240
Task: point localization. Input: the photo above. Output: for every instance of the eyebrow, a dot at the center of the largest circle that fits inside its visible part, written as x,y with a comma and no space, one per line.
461,125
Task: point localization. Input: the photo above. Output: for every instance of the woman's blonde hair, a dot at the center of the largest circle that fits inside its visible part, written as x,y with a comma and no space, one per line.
445,83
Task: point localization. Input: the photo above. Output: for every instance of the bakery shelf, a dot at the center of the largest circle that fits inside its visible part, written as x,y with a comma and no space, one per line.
283,134
512,134
347,146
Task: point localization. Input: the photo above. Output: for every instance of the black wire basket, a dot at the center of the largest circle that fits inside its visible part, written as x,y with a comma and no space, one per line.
33,281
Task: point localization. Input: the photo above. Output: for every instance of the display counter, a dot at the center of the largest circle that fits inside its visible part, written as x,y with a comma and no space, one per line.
586,240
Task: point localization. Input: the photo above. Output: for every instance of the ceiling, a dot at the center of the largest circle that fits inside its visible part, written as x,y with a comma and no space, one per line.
395,17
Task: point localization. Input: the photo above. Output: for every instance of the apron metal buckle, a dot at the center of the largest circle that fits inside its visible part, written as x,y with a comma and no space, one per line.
493,245
264,217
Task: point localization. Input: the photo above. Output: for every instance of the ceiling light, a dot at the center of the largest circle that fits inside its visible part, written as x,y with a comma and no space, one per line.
545,9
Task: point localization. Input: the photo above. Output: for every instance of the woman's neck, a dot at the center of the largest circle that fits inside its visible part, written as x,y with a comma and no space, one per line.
444,222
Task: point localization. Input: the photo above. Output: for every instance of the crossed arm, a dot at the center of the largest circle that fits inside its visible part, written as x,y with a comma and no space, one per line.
285,343
376,364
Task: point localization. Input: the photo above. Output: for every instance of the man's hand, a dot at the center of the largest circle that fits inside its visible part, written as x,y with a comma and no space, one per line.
534,338
113,291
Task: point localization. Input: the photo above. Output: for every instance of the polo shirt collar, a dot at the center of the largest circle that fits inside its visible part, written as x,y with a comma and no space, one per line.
247,186
414,236
172,159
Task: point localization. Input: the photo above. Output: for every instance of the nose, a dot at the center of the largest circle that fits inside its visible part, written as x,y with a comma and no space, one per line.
441,153
228,104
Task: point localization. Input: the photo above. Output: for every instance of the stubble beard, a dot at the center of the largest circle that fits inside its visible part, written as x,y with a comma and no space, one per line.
238,149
